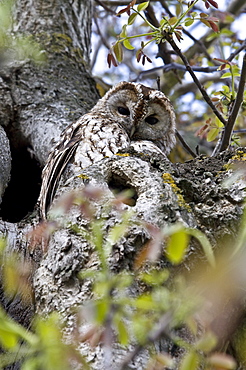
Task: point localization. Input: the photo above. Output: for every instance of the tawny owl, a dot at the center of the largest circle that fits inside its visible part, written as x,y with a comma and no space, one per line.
129,112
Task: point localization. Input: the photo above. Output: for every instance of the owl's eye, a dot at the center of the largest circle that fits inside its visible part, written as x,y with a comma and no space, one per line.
151,120
124,111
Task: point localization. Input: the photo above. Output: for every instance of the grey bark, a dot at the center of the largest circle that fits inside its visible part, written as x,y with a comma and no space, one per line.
165,194
5,162
36,103
40,101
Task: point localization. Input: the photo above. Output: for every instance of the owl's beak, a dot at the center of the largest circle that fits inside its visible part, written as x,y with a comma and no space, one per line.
132,131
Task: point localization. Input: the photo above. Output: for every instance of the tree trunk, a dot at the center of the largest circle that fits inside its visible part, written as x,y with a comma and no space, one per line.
37,103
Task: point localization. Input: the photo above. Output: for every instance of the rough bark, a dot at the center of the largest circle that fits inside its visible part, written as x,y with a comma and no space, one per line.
41,100
5,162
192,193
36,103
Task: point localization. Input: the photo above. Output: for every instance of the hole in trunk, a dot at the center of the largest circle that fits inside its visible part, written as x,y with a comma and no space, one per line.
21,195
118,184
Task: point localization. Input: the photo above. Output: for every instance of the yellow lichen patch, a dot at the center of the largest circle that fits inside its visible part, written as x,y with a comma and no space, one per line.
123,154
168,179
83,177
239,157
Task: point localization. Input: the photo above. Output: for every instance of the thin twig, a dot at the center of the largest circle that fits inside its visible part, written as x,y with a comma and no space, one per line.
236,52
194,68
163,51
201,44
166,7
185,145
187,33
103,39
161,331
123,3
226,135
204,93
175,66
104,6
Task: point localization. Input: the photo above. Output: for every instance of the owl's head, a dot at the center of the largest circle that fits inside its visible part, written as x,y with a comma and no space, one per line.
144,113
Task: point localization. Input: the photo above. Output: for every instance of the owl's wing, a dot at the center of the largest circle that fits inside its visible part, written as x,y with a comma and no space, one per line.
56,164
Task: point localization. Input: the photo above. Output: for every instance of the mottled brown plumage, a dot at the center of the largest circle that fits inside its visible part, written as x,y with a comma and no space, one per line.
129,112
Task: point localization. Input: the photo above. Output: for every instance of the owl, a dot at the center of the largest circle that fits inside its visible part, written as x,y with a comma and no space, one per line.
128,113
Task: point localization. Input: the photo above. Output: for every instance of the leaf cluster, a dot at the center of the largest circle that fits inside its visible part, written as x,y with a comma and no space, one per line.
162,303
170,25
220,95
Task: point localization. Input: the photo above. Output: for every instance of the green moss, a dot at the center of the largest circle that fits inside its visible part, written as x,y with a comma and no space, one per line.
168,179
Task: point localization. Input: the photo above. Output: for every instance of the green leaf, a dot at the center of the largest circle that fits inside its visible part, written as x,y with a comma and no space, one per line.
172,20
207,342
189,22
193,14
119,230
143,6
8,339
163,21
226,75
213,133
190,361
226,31
205,243
14,329
124,32
218,123
122,333
144,302
132,18
155,277
178,9
177,245
97,234
102,309
128,45
117,48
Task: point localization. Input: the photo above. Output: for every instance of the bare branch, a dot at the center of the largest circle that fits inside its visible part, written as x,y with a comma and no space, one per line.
204,93
226,135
